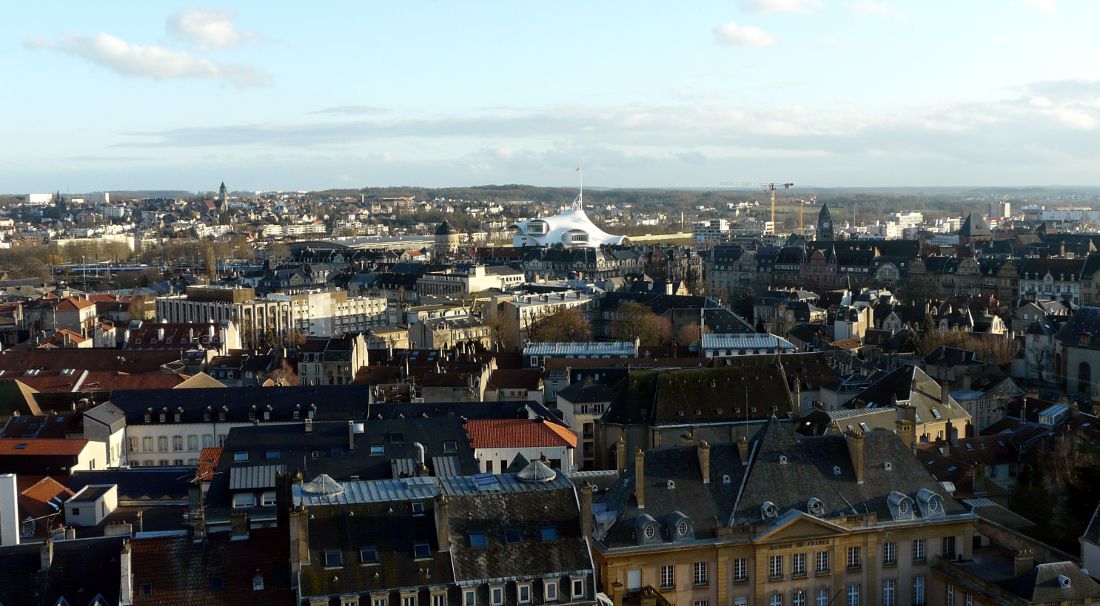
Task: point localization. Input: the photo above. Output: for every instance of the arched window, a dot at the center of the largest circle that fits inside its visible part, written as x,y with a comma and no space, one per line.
1084,378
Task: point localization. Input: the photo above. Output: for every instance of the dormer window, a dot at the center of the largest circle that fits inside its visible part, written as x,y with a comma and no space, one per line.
252,413
368,555
726,479
682,528
671,484
206,414
768,510
815,507
782,459
836,470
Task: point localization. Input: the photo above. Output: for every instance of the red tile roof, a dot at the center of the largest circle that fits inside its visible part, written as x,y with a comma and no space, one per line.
35,492
518,433
208,461
41,447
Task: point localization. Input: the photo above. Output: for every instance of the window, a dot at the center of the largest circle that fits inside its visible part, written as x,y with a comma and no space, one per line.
258,582
700,573
889,553
479,540
578,588
267,498
496,595
949,548
775,567
422,551
368,555
969,599
240,457
146,589
244,499
822,562
854,558
177,442
450,446
549,533
918,551
918,591
775,600
699,603
207,440
271,455
550,590
76,511
853,595
823,597
740,569
950,595
408,600
512,536
333,559
668,577
798,565
192,442
377,449
416,507
162,444
524,593
888,592
469,597
798,598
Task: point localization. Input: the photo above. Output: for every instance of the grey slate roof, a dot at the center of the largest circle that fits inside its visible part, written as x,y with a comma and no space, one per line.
809,472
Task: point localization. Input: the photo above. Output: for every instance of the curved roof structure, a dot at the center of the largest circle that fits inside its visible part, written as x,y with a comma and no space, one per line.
571,228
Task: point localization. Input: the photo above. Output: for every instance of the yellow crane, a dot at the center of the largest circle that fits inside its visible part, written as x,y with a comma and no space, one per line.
771,187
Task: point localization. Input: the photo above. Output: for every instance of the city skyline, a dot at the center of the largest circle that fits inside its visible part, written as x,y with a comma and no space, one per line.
864,93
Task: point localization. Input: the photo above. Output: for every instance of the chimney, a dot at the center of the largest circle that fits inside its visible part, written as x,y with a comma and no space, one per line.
906,425
743,449
945,392
308,424
160,334
978,479
586,510
238,521
9,510
620,455
351,435
703,450
126,575
45,555
1023,561
639,478
299,541
854,440
443,523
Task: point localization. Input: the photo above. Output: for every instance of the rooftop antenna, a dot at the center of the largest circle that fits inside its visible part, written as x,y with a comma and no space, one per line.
578,204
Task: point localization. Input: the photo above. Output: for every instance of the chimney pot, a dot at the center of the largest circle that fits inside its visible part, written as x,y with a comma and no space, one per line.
639,478
620,455
743,449
703,451
1023,561
586,510
45,555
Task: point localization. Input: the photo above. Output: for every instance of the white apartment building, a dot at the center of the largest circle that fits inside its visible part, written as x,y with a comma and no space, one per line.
279,318
476,278
516,314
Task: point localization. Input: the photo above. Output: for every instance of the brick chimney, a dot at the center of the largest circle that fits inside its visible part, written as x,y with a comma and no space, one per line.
639,478
45,555
854,439
620,455
443,523
703,450
743,449
586,510
1023,561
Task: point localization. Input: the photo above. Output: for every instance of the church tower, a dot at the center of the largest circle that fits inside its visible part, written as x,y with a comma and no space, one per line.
825,224
222,191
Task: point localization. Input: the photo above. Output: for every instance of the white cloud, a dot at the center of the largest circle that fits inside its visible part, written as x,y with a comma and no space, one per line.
732,34
207,28
874,8
781,6
154,62
832,42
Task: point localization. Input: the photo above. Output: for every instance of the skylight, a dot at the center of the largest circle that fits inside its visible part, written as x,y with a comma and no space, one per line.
478,540
422,550
549,533
512,536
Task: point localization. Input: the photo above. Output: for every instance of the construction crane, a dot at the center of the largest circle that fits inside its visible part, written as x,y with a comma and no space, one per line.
771,187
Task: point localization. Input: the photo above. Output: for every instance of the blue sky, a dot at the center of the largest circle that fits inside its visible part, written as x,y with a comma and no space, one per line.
145,95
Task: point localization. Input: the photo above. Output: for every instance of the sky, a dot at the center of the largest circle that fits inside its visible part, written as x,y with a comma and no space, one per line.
290,96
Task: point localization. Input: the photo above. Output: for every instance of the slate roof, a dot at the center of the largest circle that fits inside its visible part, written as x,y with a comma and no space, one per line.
807,470
747,387
180,572
80,569
526,507
1041,584
1082,329
520,378
706,506
150,484
390,527
589,391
